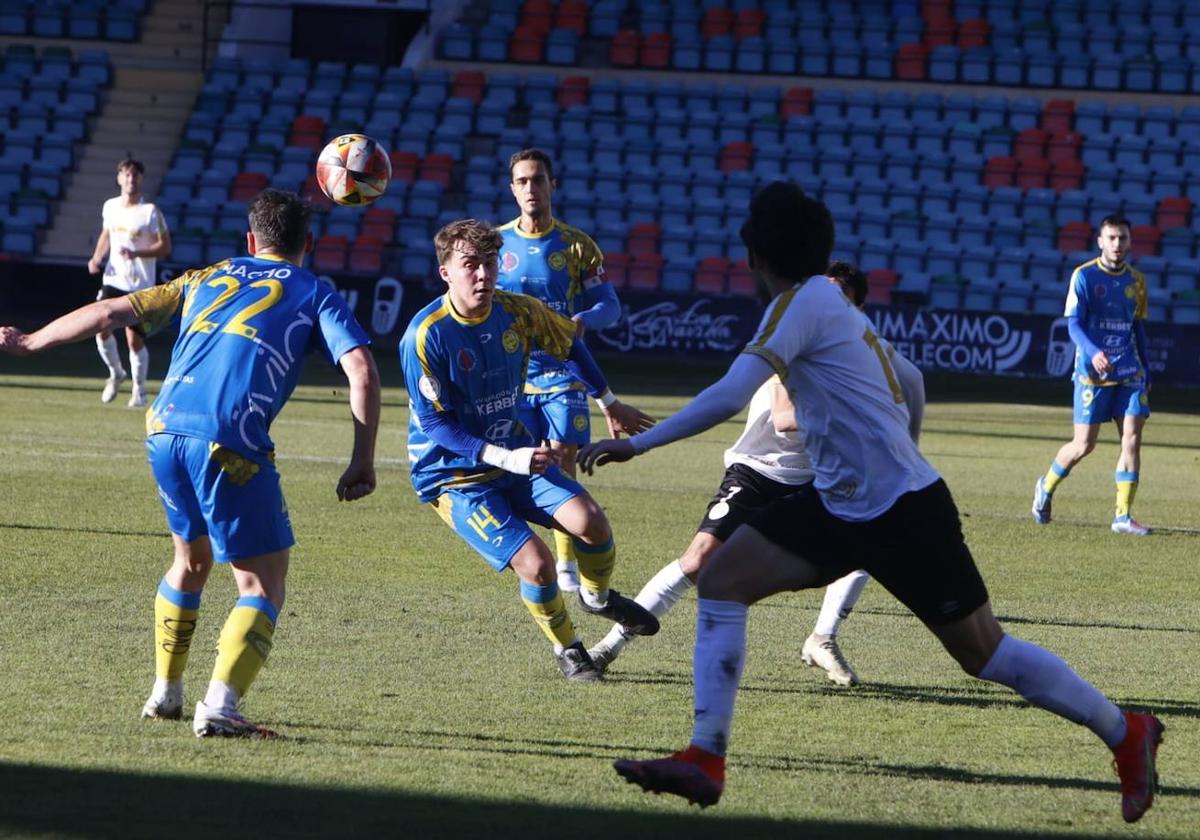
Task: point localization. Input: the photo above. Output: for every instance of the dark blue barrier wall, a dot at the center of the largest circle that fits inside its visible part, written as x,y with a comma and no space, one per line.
955,341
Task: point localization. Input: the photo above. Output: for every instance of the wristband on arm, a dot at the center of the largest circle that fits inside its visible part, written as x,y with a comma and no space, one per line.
517,461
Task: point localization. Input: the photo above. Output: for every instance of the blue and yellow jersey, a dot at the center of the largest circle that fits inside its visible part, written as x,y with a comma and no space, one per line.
1107,302
245,326
556,267
474,370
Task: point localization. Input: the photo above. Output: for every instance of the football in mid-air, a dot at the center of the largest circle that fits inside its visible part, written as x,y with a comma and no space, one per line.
353,170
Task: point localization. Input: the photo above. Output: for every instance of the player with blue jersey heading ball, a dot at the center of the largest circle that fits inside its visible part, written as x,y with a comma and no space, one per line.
464,357
245,326
563,268
1106,315
875,503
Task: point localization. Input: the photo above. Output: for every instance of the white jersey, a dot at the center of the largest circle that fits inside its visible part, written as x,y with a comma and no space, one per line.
779,456
847,397
137,228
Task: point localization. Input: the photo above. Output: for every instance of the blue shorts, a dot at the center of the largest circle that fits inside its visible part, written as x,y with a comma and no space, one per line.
562,416
1095,405
493,518
208,489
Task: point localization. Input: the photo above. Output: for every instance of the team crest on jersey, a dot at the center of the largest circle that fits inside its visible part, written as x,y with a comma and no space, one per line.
580,422
1130,292
557,260
466,360
510,341
430,388
1101,290
508,261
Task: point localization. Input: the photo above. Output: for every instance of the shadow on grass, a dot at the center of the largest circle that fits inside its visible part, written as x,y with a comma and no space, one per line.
18,526
110,804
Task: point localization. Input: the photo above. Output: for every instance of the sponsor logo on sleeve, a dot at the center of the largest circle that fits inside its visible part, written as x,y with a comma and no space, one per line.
430,388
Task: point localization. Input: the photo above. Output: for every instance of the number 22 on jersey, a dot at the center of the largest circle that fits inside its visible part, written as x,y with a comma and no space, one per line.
237,324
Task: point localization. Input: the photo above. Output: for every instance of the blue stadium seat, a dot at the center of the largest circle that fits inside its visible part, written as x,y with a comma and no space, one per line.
910,256
977,64
937,198
904,195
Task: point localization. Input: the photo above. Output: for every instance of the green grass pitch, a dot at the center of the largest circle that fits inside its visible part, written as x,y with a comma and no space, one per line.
418,699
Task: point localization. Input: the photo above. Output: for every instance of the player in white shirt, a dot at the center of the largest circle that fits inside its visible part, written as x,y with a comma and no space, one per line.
875,504
133,235
767,462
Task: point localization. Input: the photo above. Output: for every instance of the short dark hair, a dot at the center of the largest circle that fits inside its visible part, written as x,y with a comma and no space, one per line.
789,231
1114,220
532,154
853,278
279,220
130,163
478,236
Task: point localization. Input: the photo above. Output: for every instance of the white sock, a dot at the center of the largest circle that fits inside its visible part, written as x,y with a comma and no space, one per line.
139,364
110,355
221,696
717,670
840,598
659,595
1046,681
166,689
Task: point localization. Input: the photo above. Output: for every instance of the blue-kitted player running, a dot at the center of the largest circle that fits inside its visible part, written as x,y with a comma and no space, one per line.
465,357
563,268
245,327
1106,313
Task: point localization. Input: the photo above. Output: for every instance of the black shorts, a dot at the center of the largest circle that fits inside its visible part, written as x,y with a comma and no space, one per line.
108,292
743,494
915,549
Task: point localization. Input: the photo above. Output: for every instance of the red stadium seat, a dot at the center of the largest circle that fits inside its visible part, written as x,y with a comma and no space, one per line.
1033,173
1075,236
880,282
911,61
711,275
574,90
616,269
655,51
717,20
643,238
438,168
537,16
1063,146
1066,175
307,132
1030,143
469,84
247,185
378,223
525,45
573,15
999,172
366,255
1173,212
404,165
623,51
741,282
796,102
313,193
1058,116
940,32
748,23
974,32
329,254
1146,239
645,271
737,156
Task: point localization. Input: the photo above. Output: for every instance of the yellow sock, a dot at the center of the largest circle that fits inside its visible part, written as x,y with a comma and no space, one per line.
1054,477
595,564
1127,484
545,604
563,551
245,643
175,615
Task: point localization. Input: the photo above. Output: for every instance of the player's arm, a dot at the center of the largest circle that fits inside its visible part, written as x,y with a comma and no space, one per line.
783,413
96,263
85,322
912,385
1139,343
1077,316
603,307
359,478
443,428
716,403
